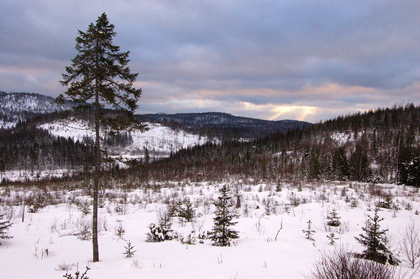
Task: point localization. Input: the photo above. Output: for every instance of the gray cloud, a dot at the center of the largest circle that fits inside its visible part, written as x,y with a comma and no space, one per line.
251,58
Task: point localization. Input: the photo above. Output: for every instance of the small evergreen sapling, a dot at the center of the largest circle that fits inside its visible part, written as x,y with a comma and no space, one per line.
129,250
309,232
120,230
222,234
374,240
331,238
185,210
165,223
333,219
4,228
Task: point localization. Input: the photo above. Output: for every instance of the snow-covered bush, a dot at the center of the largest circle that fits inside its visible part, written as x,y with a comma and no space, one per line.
155,234
190,239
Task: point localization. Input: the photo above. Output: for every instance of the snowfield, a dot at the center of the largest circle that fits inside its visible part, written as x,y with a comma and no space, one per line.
271,220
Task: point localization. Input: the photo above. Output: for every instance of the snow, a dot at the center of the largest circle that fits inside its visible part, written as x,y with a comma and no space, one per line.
25,175
6,124
158,139
257,254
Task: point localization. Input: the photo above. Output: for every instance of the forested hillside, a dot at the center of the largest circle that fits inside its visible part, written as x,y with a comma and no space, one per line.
377,146
30,148
223,125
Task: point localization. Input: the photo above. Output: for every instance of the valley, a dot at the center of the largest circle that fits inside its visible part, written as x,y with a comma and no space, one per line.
160,189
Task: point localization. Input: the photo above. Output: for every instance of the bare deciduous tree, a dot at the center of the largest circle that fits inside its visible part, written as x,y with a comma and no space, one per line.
410,245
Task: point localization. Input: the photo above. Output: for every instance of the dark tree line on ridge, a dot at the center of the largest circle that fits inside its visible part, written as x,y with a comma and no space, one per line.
29,148
377,146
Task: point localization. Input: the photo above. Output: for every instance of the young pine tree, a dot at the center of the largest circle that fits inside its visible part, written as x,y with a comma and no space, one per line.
333,218
129,250
309,232
374,240
222,233
4,228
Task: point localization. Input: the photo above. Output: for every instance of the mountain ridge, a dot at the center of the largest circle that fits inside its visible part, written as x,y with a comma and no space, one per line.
35,135
15,107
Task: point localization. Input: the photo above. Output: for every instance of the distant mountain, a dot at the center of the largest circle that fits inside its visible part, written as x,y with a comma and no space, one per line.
375,146
34,136
15,107
223,125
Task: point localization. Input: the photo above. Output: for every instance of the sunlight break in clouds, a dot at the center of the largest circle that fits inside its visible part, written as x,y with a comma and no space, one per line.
282,112
301,112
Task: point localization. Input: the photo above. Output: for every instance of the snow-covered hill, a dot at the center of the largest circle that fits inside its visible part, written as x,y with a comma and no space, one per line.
15,107
158,140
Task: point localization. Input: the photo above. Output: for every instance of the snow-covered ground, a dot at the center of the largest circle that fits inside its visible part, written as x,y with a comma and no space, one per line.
270,224
6,125
26,175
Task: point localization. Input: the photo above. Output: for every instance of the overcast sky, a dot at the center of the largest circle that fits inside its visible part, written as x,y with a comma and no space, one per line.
296,59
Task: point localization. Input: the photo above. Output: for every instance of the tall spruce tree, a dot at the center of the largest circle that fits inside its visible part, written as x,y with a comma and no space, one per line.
100,80
222,233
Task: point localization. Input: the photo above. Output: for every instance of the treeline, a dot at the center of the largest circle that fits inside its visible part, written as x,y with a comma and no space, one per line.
377,146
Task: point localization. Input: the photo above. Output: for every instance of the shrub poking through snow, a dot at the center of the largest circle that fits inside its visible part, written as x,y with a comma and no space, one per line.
340,264
77,275
222,234
120,230
190,239
374,240
410,245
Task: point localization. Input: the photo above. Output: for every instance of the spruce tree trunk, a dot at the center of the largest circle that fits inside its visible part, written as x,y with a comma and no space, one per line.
97,170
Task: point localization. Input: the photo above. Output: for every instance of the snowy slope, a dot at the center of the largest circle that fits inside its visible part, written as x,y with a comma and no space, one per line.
16,107
159,140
